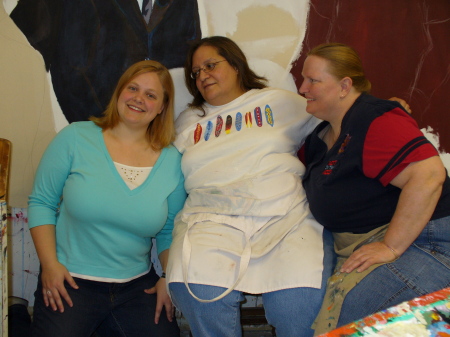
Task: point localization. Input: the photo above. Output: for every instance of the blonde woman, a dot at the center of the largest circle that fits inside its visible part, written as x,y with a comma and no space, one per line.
103,190
375,181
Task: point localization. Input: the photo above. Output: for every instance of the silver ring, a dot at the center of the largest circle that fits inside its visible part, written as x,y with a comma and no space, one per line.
49,292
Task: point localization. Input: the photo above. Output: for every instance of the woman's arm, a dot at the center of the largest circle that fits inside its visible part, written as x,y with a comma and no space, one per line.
43,207
53,273
160,289
164,238
421,185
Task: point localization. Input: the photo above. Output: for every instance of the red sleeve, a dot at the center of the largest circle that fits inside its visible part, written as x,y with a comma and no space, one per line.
392,142
301,154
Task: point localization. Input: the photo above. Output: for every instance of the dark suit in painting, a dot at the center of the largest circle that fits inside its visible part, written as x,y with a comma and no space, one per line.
88,44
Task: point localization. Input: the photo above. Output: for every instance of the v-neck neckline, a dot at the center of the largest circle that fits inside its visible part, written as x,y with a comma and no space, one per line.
116,173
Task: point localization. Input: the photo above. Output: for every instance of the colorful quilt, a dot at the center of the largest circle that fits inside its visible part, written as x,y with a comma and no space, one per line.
426,316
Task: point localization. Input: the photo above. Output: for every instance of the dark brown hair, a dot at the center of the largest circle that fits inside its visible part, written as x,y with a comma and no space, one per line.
228,49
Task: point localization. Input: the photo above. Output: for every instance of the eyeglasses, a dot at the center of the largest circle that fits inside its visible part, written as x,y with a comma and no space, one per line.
207,68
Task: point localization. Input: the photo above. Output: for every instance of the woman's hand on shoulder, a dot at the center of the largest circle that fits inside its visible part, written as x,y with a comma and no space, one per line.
402,103
366,256
53,289
162,300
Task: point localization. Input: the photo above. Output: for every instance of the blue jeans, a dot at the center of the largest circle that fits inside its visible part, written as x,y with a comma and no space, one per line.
117,309
290,311
422,269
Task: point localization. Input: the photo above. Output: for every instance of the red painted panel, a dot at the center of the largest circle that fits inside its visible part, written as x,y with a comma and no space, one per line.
405,48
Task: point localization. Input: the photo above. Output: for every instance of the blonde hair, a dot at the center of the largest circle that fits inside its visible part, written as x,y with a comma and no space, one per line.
161,130
343,62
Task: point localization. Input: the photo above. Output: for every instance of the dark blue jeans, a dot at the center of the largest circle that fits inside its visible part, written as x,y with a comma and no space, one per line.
19,321
114,309
422,269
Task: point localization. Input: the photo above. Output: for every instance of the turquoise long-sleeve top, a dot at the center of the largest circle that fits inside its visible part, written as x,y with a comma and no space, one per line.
103,229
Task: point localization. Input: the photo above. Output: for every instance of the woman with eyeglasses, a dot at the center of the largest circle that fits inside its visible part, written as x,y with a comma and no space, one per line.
246,225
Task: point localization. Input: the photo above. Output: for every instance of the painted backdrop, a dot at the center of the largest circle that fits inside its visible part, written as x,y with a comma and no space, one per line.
405,49
403,44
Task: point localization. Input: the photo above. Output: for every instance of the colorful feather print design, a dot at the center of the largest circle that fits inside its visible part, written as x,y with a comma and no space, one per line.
238,121
248,119
269,115
219,125
228,124
258,116
208,130
197,133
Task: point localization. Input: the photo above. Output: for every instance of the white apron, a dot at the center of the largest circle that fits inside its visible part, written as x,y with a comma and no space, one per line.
246,224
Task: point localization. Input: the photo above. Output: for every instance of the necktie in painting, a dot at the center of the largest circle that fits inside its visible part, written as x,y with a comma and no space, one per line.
147,9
